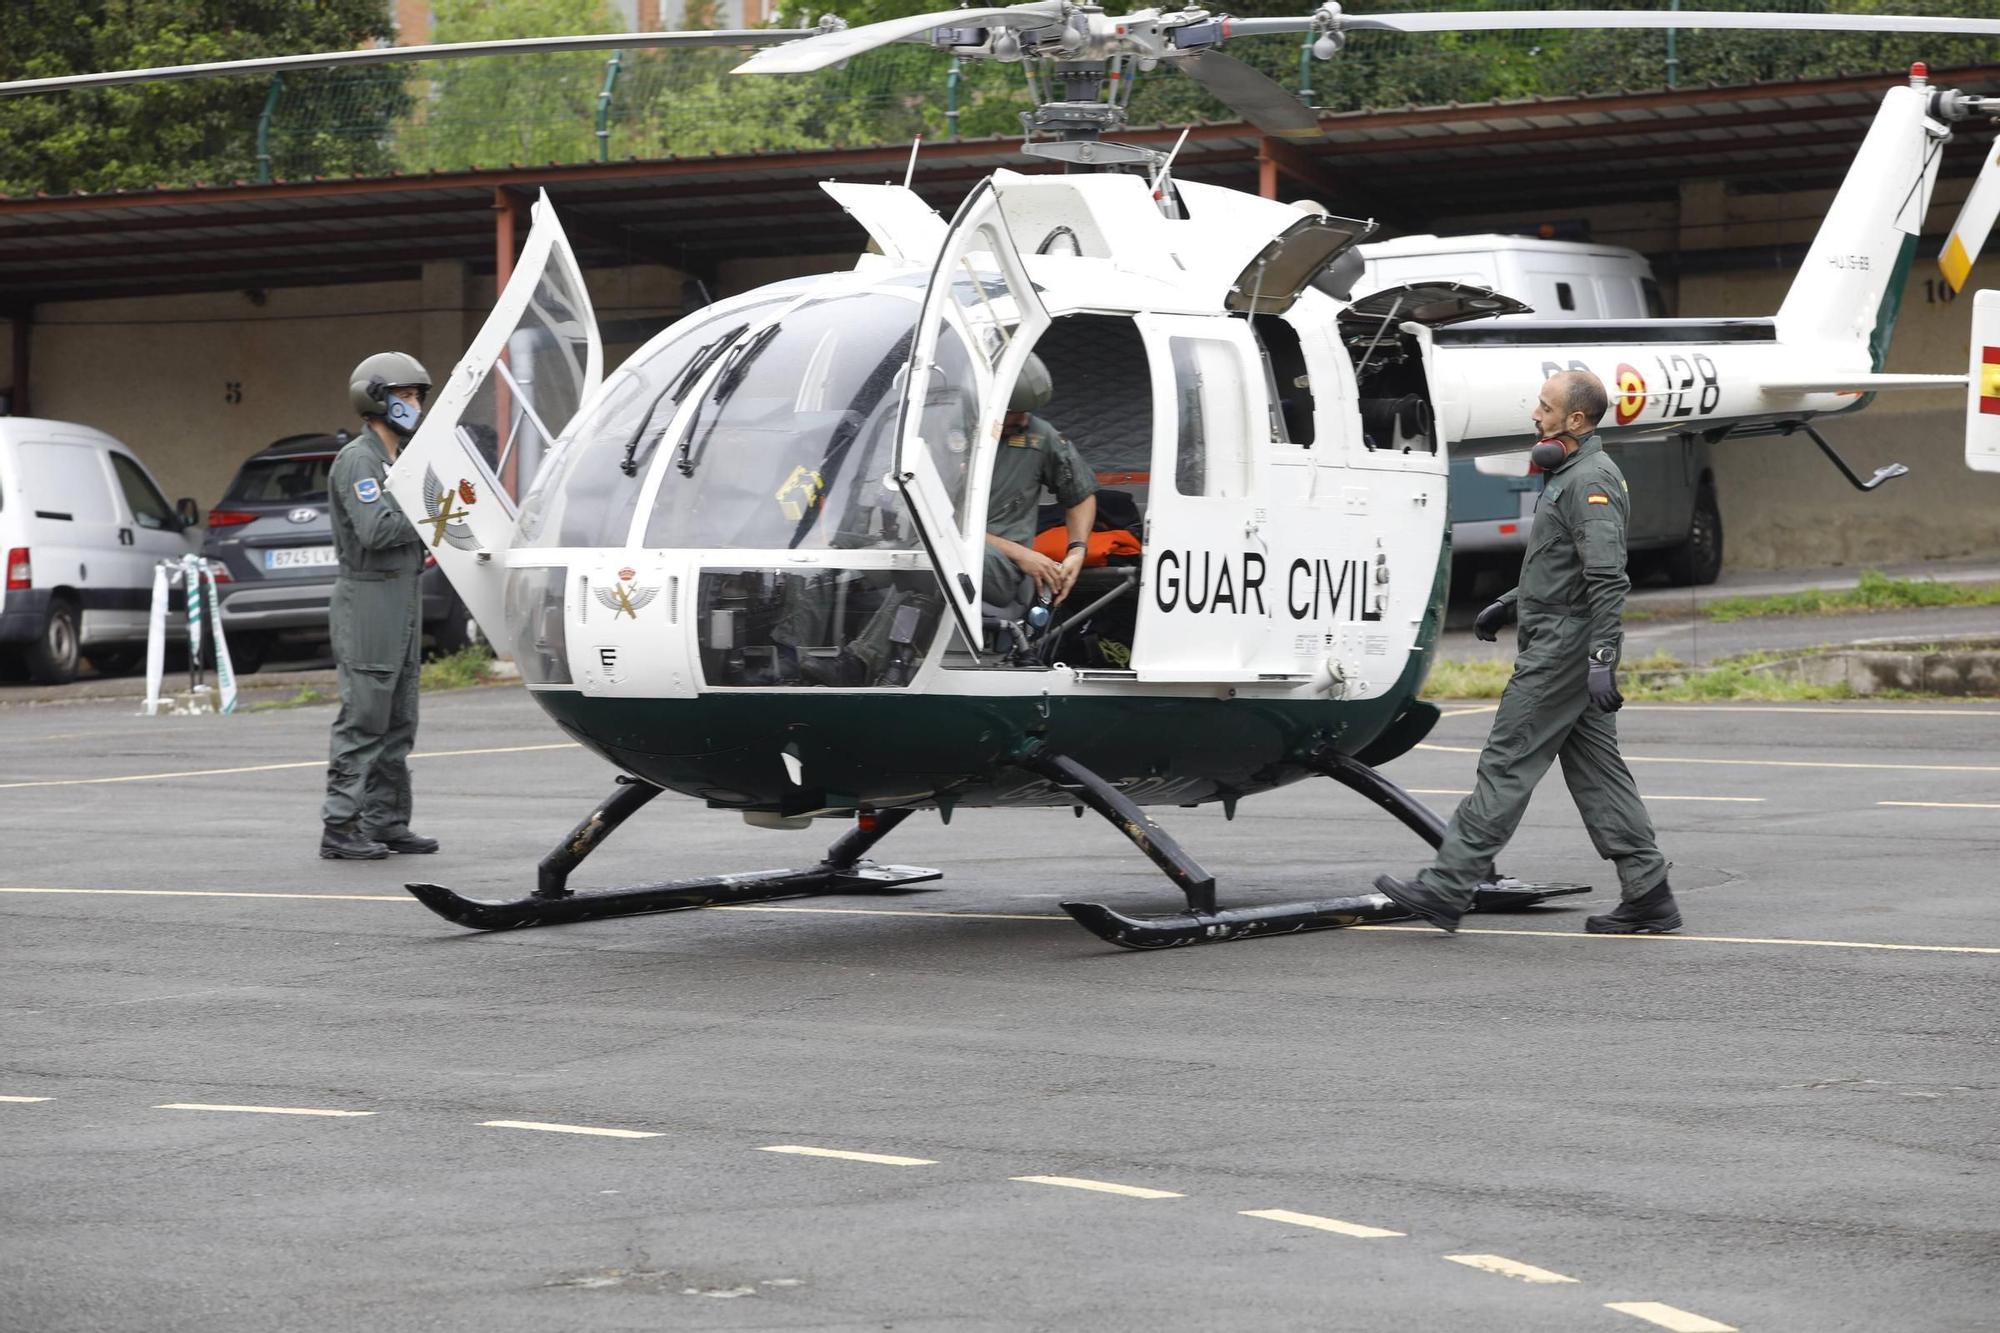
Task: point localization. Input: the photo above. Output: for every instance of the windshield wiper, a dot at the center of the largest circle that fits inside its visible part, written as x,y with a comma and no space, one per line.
726,384
678,387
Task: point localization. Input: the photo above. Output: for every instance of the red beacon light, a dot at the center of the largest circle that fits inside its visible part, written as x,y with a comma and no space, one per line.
1919,74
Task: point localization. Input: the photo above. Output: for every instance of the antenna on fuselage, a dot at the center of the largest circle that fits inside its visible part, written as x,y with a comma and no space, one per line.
910,172
1167,163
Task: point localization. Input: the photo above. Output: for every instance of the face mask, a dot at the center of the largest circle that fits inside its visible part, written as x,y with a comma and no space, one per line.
403,417
1547,455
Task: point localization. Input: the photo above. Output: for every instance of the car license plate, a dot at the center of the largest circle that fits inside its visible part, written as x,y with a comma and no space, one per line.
299,557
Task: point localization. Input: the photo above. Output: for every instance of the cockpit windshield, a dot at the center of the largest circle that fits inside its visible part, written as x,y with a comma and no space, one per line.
588,497
792,439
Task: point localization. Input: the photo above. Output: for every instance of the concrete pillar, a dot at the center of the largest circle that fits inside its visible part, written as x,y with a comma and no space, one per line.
447,323
18,337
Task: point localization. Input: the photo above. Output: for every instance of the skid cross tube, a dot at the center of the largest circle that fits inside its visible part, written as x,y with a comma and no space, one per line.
1350,772
554,903
1128,819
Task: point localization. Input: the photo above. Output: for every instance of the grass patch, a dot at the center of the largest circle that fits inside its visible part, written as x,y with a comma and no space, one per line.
1655,679
469,666
1875,591
306,697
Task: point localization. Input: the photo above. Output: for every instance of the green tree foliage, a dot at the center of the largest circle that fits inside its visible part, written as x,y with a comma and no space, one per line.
497,110
172,133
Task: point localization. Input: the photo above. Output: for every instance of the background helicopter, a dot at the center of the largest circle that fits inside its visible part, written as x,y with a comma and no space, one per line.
750,568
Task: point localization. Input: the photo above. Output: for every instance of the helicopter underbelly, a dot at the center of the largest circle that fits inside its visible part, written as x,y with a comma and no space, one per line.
839,751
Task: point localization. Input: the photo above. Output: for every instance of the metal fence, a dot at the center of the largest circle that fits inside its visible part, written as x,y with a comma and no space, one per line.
584,107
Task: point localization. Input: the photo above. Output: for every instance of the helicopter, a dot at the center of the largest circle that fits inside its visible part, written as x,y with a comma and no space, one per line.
748,568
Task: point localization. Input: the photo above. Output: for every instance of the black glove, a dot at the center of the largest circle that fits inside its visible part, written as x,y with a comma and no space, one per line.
1604,688
1486,626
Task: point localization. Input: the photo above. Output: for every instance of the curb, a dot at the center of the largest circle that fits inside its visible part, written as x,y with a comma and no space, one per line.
132,689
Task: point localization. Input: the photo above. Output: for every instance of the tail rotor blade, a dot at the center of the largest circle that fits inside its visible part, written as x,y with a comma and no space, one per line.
1974,222
1252,94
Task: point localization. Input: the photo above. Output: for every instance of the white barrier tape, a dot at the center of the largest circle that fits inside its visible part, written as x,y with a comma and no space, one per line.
156,640
225,672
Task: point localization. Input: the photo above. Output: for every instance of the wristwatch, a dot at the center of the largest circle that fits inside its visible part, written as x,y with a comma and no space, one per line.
1076,546
1605,656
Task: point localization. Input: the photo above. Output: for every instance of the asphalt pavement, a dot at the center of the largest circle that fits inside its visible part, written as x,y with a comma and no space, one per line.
1782,1119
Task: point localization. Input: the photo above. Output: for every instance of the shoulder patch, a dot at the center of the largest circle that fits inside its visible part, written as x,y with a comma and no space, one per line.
367,490
1597,499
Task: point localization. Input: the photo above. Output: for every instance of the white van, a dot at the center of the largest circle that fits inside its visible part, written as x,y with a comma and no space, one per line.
82,524
1676,522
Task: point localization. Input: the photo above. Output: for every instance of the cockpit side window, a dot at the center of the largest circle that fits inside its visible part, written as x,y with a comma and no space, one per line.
1285,375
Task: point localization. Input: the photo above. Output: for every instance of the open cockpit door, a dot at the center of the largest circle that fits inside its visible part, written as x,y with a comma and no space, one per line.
493,424
980,319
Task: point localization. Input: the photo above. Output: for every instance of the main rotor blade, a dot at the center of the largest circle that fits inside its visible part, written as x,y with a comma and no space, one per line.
1251,94
391,54
1974,222
1528,19
831,48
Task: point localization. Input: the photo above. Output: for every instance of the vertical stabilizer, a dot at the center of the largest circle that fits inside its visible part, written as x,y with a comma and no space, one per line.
1982,402
1851,285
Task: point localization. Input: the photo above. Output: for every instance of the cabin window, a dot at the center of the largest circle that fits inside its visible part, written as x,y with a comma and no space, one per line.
534,599
789,445
1212,454
837,628
1285,377
587,496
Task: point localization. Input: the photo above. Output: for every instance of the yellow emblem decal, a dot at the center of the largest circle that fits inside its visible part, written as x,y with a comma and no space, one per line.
800,492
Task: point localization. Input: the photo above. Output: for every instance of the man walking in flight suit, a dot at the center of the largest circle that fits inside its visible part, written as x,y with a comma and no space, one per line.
377,623
1571,603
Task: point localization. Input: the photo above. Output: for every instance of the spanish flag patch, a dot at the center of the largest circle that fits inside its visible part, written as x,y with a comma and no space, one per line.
1597,499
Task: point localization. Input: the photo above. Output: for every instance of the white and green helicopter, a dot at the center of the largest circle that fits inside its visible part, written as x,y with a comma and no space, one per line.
749,565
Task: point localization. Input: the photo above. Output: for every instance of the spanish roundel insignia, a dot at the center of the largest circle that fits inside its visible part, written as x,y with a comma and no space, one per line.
1597,499
1989,381
1631,400
367,490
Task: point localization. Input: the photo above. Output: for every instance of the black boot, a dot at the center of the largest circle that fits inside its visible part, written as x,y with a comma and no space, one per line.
1653,912
343,842
1417,900
408,843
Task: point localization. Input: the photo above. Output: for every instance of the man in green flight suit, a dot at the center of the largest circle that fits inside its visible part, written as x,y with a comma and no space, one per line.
1033,455
1571,604
377,623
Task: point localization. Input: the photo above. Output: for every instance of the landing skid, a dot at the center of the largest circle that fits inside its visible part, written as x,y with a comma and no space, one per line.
1206,923
554,903
1243,923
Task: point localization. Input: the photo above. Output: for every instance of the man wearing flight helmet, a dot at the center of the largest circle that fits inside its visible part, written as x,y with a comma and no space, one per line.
377,621
1033,455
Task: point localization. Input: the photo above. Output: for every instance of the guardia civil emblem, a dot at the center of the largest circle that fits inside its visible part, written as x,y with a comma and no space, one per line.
626,596
443,512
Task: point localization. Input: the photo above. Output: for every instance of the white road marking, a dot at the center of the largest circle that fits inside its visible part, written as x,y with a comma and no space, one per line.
1498,1263
256,1110
1772,708
1705,939
216,893
271,768
883,1159
1746,800
1945,805
1032,916
1101,1186
1468,712
571,1129
26,1099
1666,1316
1322,1223
1765,763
